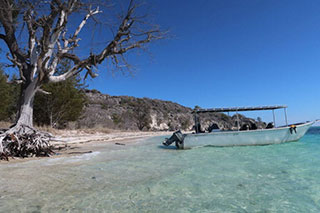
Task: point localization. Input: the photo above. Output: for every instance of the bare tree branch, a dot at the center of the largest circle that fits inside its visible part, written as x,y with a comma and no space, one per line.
16,62
121,43
73,40
6,19
91,13
43,91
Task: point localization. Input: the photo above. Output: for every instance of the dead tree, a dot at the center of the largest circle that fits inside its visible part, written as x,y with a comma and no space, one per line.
49,43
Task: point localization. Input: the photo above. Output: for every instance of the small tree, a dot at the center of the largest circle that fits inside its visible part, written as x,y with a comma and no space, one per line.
143,119
51,39
65,103
141,113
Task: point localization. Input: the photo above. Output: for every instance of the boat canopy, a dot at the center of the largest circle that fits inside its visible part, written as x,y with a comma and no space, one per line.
238,109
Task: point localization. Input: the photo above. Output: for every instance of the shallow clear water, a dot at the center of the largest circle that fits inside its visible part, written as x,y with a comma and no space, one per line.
143,177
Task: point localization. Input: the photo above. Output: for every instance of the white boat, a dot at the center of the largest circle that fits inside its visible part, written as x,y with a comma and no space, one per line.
268,136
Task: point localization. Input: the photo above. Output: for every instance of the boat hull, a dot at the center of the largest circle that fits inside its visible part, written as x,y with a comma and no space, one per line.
247,138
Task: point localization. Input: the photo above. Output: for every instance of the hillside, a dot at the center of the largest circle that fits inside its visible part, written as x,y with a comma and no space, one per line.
130,113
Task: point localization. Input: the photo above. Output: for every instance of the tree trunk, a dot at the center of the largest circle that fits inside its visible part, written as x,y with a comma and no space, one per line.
22,140
25,107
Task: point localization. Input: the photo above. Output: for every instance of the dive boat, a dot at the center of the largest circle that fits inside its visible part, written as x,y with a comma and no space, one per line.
274,135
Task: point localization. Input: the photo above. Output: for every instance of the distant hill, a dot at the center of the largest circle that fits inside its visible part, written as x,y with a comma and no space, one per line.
130,113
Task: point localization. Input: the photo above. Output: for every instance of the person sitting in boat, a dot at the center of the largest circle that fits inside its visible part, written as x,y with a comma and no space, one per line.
213,127
245,127
253,126
198,128
270,125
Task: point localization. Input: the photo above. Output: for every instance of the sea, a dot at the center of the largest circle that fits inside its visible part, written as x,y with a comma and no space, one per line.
142,176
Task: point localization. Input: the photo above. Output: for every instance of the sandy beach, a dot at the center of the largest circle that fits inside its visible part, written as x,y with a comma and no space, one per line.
76,142
73,142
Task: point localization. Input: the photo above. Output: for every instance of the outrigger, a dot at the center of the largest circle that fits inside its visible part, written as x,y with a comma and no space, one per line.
271,135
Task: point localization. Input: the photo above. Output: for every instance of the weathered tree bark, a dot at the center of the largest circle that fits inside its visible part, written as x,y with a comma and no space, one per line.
25,111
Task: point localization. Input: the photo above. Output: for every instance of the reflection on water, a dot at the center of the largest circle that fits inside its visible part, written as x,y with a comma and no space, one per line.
147,178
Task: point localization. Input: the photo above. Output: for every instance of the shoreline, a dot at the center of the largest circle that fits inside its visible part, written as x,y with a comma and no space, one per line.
73,143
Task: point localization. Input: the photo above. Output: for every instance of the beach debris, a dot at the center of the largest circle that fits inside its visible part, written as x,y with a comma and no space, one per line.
2,131
76,153
121,144
24,141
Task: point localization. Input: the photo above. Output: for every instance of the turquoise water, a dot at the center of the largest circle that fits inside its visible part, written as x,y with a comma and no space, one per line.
143,177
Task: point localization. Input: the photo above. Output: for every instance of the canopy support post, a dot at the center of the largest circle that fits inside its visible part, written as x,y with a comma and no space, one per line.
285,113
274,118
238,122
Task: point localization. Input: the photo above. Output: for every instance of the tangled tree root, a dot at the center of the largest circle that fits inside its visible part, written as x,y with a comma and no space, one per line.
24,141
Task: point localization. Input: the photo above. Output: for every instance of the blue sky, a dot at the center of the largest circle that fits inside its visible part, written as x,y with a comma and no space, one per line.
230,53
226,53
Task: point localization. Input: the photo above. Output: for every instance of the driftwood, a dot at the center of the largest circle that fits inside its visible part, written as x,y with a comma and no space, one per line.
121,144
24,141
3,131
77,153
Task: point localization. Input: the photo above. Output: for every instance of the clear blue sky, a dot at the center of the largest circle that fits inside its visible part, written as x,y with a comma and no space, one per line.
224,53
230,53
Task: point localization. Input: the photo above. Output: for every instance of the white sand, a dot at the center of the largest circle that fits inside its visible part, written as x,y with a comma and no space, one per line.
74,137
69,143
